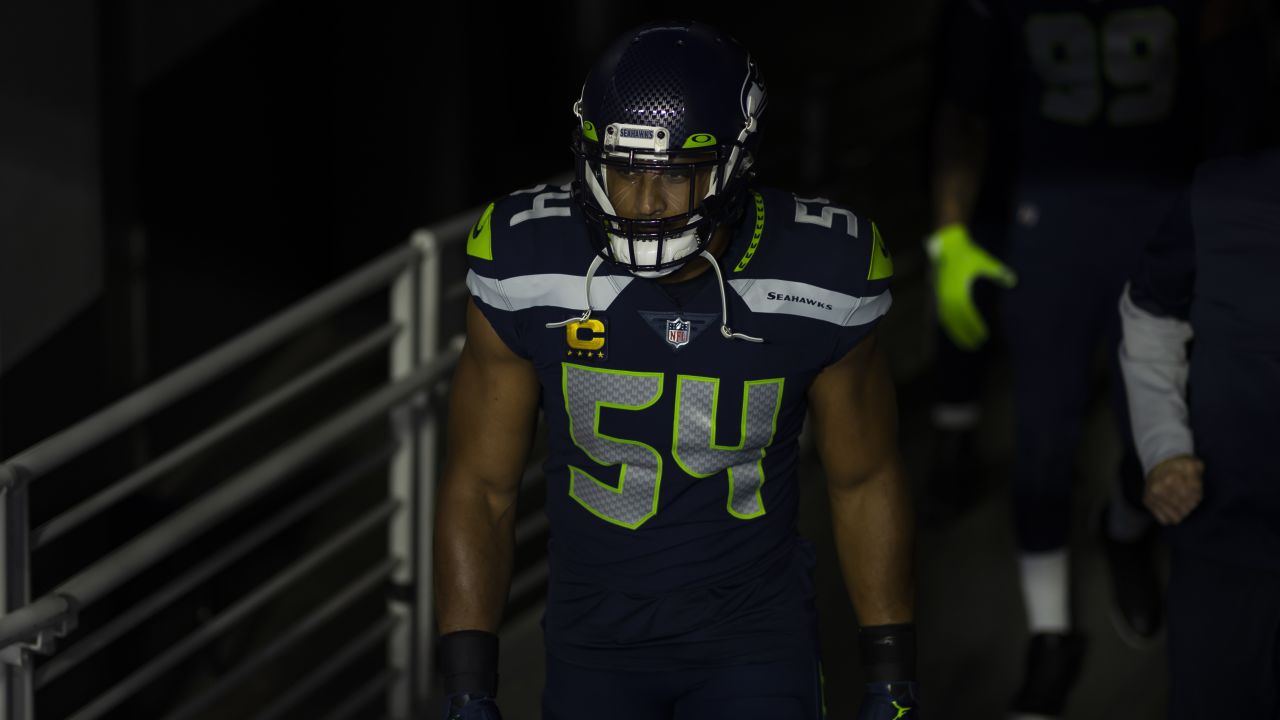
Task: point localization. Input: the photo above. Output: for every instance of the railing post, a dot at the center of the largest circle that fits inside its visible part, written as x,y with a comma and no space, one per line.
428,332
18,701
415,299
401,539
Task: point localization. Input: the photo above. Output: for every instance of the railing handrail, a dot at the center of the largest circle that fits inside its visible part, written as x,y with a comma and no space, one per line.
284,702
137,555
64,603
51,452
48,454
67,659
411,273
69,519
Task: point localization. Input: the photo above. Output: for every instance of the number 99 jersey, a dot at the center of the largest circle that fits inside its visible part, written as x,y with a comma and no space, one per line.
672,448
1096,89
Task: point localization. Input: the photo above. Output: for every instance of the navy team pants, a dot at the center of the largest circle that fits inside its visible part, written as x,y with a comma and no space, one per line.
790,690
1073,248
1224,640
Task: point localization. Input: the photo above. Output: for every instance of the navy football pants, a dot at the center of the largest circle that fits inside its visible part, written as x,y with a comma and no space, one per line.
774,691
1073,248
1224,640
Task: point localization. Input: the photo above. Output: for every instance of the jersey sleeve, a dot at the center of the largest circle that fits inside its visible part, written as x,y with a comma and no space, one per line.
491,263
871,272
822,265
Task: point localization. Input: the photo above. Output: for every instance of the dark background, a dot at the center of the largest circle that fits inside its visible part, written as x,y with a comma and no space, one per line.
174,171
266,147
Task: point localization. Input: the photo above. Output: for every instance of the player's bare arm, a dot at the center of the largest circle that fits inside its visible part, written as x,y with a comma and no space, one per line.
855,416
960,144
492,416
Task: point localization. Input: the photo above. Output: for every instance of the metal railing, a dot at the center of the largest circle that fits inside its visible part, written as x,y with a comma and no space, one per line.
418,363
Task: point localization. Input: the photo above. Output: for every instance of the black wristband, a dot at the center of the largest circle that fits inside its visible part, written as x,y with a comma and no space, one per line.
469,663
888,652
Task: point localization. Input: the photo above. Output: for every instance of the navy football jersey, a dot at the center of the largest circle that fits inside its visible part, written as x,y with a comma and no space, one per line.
1095,89
672,449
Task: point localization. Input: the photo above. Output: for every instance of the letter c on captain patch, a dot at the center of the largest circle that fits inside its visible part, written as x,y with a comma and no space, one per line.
588,335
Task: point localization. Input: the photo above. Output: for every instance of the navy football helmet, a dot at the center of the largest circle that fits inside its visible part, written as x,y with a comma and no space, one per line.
679,100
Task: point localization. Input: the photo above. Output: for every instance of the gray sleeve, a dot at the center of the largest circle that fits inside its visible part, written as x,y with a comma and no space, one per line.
1153,359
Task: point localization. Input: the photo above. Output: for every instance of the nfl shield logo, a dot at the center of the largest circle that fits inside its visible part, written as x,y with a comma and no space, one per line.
678,332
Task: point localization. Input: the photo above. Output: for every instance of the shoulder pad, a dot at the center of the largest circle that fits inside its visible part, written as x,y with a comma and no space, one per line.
531,230
815,259
829,243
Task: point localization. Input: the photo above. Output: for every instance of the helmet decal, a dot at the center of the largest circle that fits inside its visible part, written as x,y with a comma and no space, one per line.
620,136
699,140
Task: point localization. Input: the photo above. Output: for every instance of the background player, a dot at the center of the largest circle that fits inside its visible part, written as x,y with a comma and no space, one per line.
712,316
1099,103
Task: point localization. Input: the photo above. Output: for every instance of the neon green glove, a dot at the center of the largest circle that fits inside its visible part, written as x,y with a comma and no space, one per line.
957,263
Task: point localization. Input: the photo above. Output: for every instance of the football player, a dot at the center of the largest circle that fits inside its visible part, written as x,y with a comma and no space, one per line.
1100,105
674,323
1204,424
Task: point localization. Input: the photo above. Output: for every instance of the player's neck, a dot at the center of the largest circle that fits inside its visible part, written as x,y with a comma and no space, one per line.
699,265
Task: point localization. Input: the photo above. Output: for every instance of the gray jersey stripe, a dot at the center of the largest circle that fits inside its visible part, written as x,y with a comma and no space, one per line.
546,290
797,298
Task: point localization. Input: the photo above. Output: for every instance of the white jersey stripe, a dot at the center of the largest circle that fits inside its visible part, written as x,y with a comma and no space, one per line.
546,290
796,298
766,296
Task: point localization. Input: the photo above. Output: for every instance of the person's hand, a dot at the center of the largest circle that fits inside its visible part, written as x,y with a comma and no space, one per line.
957,263
1174,488
890,701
